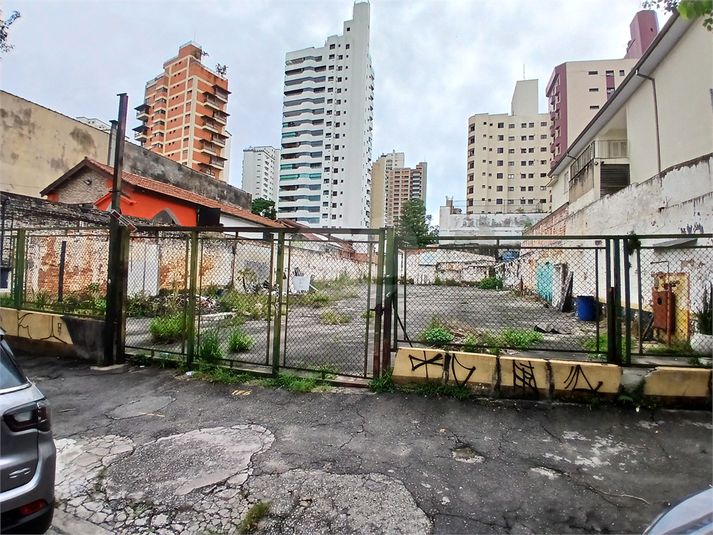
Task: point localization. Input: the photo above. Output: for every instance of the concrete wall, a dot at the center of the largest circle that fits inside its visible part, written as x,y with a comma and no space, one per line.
524,377
500,225
426,265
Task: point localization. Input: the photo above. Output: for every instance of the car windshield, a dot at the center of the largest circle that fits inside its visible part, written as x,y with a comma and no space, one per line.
10,374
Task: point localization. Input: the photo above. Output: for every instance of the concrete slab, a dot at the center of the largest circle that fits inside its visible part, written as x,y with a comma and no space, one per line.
679,382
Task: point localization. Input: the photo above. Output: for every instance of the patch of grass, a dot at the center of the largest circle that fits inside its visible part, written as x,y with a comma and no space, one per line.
441,390
257,512
676,348
632,396
209,351
368,314
240,340
470,344
383,383
436,334
491,283
327,371
218,374
312,299
291,383
521,338
330,317
167,329
342,281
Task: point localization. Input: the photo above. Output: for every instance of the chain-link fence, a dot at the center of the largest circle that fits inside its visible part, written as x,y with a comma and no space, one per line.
629,300
55,270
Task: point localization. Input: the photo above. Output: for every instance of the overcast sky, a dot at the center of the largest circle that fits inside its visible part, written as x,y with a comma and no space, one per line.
436,62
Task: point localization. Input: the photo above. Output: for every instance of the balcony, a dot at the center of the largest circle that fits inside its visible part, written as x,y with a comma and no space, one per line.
211,102
216,162
220,93
141,133
221,117
204,168
209,148
218,139
142,112
210,125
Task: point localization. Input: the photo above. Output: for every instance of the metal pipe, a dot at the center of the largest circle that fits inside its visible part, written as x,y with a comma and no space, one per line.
656,117
60,286
641,302
368,311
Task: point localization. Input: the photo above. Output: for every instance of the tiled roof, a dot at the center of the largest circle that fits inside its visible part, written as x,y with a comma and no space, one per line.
182,194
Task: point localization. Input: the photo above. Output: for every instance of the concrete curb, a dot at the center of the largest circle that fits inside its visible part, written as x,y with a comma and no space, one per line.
64,524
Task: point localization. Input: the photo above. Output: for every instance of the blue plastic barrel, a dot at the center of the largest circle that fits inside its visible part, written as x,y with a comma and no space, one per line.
586,308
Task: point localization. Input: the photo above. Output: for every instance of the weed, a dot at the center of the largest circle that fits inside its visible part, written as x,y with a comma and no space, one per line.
312,299
436,334
240,341
491,283
327,371
209,351
140,359
291,383
521,338
470,344
383,383
368,314
330,317
441,390
167,329
218,374
256,513
633,396
676,348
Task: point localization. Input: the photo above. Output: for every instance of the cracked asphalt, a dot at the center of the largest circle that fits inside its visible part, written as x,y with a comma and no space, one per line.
141,450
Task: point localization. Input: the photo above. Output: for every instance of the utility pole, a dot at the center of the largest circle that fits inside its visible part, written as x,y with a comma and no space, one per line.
114,325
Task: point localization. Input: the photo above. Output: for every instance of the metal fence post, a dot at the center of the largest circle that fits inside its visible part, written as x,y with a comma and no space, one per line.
278,315
122,288
19,275
611,325
379,308
390,290
627,302
617,302
191,311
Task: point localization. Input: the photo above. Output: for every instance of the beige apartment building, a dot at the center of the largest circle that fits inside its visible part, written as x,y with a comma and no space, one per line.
404,184
183,116
508,157
379,179
577,90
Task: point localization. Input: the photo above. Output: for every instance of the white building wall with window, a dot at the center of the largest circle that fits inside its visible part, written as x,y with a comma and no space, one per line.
261,172
508,157
324,171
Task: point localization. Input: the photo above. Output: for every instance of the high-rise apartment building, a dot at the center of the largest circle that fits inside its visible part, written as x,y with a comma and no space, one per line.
508,157
379,180
261,172
327,130
183,115
578,89
403,185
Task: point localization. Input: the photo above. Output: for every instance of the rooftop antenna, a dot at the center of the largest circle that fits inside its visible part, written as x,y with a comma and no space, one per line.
523,71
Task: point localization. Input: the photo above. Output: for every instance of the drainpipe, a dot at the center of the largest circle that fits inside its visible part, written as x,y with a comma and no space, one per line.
112,143
656,117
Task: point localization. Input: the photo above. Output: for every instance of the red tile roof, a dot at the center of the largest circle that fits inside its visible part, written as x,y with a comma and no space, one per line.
182,194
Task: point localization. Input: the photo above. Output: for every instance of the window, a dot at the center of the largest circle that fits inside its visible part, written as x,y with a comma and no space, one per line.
523,138
531,162
531,125
523,175
511,138
470,202
511,176
471,165
530,188
543,149
499,175
593,73
543,123
523,162
511,125
498,201
511,151
499,188
593,107
500,163
523,188
543,201
523,125
511,188
543,136
543,175
470,190
594,90
340,57
610,73
511,164
471,140
501,125
531,175
543,162
331,56
622,72
483,186
511,201
543,188
472,128
331,47
531,149
500,150
522,201
531,138
471,177
501,138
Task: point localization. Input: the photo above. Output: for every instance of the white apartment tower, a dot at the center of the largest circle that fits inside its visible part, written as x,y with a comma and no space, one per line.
261,172
508,157
324,175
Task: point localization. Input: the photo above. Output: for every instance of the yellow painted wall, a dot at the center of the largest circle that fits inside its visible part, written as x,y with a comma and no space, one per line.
38,326
683,382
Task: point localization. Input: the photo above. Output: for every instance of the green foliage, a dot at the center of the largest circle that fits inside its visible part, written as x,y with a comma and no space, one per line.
436,334
682,347
264,208
209,351
167,329
632,396
141,305
312,299
521,338
368,314
470,344
246,305
292,383
413,228
331,317
219,374
240,340
383,383
688,9
441,390
257,512
491,283
4,26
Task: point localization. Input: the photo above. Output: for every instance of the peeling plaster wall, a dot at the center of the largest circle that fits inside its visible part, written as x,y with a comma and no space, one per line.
505,225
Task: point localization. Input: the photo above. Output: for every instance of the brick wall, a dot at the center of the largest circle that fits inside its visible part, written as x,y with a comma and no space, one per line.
86,186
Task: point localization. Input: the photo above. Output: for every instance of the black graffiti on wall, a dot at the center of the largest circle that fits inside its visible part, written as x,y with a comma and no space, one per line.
576,374
449,364
523,376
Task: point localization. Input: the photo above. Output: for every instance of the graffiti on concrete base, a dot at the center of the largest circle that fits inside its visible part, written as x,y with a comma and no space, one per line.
576,373
523,376
25,323
450,366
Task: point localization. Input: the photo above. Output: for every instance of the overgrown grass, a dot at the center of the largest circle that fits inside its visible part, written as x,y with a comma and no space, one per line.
253,306
522,339
257,512
291,383
491,283
210,351
436,334
167,329
331,317
240,340
432,389
383,383
368,314
218,374
676,348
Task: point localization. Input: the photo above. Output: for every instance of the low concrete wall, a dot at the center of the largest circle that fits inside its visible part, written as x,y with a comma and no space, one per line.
548,379
54,334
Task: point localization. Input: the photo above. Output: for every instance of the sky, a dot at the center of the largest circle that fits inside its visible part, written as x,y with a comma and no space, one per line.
436,62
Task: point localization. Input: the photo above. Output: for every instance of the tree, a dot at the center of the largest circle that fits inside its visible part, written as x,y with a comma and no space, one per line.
413,228
264,208
4,25
688,9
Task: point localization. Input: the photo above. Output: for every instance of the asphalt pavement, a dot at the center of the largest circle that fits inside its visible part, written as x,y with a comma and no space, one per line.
141,450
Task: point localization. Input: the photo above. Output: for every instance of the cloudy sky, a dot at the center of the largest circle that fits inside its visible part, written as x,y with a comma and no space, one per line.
436,62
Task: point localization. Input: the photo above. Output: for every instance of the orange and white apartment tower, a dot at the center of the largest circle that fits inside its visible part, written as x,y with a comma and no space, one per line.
183,115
